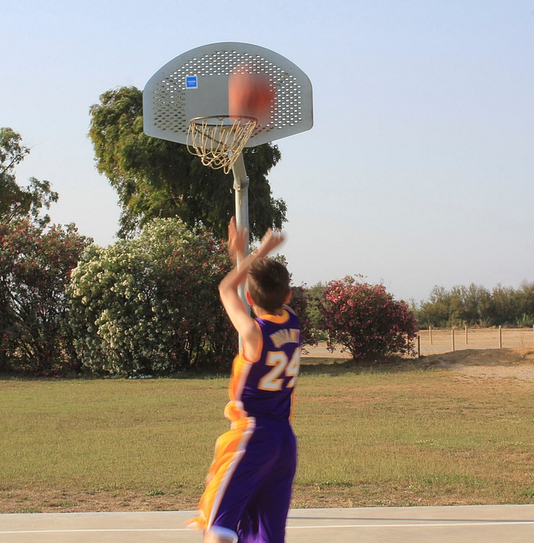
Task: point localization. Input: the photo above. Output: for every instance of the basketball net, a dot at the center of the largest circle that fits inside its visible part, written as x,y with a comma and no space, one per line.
219,141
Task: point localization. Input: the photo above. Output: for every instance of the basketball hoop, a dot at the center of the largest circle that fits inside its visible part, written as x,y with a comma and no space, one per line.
218,141
203,81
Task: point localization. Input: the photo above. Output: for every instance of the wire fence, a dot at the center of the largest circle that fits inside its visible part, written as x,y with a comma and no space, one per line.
434,340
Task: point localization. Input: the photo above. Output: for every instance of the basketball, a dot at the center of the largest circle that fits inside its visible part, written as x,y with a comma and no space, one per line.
251,95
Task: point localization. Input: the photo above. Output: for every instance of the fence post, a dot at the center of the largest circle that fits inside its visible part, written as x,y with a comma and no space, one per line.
452,339
418,346
466,340
500,337
430,333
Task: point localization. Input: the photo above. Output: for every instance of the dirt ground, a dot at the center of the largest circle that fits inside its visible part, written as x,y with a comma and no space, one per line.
443,341
439,341
489,363
475,352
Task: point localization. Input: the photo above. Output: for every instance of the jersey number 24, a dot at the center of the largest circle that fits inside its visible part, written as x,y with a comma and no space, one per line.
282,367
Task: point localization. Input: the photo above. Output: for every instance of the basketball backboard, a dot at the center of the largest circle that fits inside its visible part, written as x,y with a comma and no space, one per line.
195,84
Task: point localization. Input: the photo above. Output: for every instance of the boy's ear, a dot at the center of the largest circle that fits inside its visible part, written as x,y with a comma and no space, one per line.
288,297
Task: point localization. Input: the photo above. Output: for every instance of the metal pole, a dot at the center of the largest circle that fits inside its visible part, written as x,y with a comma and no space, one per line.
241,212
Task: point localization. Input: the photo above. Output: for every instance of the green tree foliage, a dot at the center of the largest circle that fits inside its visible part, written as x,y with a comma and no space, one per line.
35,265
366,320
35,268
477,306
155,178
525,310
313,295
151,305
16,202
473,304
300,304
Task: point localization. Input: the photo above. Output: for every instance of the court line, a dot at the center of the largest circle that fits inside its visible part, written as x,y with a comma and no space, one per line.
96,530
421,524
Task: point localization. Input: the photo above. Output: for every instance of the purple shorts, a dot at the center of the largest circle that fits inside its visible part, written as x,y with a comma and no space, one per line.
257,498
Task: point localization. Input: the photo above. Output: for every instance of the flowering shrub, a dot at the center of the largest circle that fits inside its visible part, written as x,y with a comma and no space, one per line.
366,320
151,305
35,267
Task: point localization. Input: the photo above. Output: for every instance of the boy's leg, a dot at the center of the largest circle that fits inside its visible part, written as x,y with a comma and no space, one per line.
266,515
258,463
257,496
218,537
248,476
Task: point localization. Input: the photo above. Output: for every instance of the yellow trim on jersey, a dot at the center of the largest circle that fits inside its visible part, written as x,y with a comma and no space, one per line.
284,317
229,451
234,409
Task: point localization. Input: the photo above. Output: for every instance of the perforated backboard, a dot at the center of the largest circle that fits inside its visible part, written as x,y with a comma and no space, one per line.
195,84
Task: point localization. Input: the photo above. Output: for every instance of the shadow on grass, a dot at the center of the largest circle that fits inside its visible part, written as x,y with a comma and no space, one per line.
316,366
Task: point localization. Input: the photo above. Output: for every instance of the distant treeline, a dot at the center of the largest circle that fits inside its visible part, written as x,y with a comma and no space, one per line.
475,305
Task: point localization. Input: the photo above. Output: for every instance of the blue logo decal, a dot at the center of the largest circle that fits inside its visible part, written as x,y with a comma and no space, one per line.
191,82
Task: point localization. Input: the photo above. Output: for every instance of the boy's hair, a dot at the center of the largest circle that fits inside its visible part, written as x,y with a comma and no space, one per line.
268,284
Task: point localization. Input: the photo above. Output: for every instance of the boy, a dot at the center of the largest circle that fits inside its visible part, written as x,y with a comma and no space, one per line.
248,488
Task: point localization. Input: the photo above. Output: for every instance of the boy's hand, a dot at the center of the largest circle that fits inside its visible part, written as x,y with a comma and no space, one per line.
237,239
228,287
271,240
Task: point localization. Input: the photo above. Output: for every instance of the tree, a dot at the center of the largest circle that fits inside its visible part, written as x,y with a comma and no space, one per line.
155,178
35,264
505,305
313,295
476,305
526,302
366,320
150,305
435,311
35,268
17,203
300,304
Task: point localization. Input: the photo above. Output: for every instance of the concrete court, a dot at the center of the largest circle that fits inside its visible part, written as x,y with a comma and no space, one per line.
459,524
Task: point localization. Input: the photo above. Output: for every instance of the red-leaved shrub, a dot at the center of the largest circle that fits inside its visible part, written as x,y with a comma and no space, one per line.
365,320
35,268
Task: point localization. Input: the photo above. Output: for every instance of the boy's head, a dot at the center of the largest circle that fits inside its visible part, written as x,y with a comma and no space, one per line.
268,284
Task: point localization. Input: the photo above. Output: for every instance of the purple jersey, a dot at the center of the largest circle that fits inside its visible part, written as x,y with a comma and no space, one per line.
265,388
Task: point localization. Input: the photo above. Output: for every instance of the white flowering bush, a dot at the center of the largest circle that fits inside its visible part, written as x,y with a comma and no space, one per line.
151,305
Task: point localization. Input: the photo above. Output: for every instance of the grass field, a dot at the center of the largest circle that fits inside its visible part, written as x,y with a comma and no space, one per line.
426,432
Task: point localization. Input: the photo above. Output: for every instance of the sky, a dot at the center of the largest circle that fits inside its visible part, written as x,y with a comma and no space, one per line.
418,171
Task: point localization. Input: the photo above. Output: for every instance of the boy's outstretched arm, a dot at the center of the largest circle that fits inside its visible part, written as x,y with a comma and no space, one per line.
228,288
